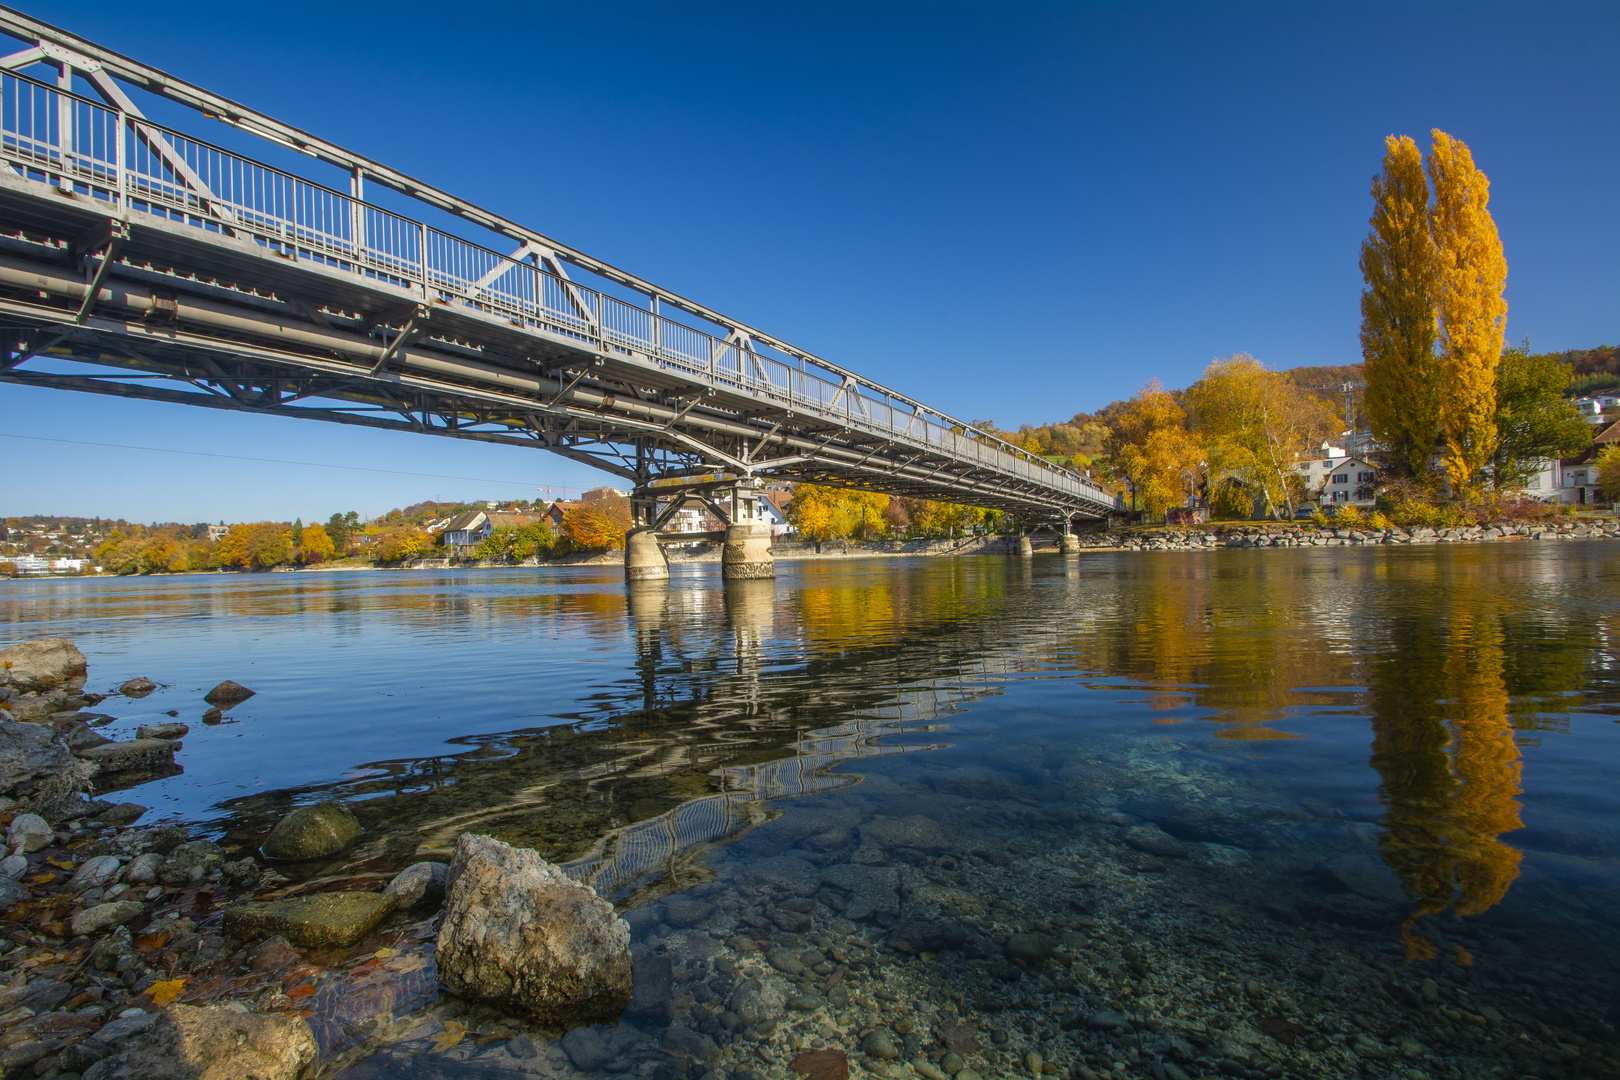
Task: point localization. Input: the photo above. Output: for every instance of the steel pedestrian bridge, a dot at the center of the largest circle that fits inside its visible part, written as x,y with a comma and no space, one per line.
142,262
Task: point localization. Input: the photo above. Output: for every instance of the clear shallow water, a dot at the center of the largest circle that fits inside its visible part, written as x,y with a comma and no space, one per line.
1368,793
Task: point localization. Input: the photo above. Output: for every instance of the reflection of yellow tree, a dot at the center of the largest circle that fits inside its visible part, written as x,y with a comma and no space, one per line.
1450,769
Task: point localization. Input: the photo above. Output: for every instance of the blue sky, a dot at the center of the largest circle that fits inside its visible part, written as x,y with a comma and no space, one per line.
1013,211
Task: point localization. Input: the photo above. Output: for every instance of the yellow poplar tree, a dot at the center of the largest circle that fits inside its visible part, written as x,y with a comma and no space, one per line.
1473,314
1400,267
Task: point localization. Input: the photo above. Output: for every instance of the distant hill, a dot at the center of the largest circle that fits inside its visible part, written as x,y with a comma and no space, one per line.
1325,379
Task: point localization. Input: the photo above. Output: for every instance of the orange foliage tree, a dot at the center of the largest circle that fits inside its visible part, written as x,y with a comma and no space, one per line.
600,520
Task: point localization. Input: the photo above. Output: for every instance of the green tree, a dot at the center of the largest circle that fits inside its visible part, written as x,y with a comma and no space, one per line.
340,527
1533,419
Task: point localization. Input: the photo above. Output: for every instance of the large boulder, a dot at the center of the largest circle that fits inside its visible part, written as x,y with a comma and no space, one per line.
35,666
320,920
211,1042
519,933
312,832
33,757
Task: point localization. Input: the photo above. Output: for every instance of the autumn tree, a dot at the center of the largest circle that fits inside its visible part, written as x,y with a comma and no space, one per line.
600,520
1153,449
829,513
255,546
401,543
1608,472
314,545
1255,424
1472,313
1533,418
1398,333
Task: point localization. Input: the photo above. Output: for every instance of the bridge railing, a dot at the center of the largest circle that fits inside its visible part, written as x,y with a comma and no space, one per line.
52,135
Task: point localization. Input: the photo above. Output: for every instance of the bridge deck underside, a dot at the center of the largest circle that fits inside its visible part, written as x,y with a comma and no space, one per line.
188,312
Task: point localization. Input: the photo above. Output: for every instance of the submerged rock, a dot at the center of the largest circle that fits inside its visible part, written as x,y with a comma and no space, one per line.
1155,841
312,832
420,884
517,932
213,1042
162,731
914,831
228,693
315,921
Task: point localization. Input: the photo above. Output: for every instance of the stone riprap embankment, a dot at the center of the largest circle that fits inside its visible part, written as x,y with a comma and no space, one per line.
1260,536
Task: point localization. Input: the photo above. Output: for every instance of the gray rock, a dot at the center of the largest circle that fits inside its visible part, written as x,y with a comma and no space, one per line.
586,1048
786,872
132,756
914,831
653,980
12,891
1032,949
784,960
32,755
143,869
1107,1020
162,731
419,884
518,932
879,1044
312,832
126,813
1365,876
213,1042
30,831
48,664
1155,841
864,891
228,693
523,1048
757,1001
96,873
806,1002
680,912
14,866
78,735
138,687
40,995
93,920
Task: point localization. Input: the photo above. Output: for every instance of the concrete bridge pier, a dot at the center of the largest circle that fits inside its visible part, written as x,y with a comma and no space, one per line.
1026,547
1071,542
747,551
644,557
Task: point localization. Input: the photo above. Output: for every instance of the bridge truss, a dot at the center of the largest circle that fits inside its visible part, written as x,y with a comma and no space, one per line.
142,262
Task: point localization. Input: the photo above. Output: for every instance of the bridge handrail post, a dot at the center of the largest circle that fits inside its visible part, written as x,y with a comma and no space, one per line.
422,257
118,162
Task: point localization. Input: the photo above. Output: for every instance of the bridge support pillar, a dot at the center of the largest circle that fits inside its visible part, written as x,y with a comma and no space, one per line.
1071,542
1026,547
747,552
644,557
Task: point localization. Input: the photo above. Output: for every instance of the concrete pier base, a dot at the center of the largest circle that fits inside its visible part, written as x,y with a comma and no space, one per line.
1026,547
747,553
1071,544
644,558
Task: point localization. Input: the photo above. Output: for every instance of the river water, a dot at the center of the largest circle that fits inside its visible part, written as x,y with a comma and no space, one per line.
1344,812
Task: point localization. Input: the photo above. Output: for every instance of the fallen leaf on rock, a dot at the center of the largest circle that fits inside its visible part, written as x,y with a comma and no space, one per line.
162,993
60,863
454,1031
301,991
151,941
821,1065
385,952
42,879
